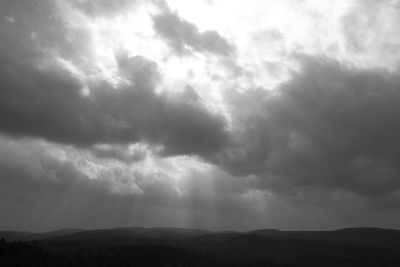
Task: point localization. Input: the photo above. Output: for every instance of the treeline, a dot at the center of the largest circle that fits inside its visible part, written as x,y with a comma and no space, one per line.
20,253
65,254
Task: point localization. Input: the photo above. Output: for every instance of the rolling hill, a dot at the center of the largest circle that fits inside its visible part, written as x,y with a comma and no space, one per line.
193,247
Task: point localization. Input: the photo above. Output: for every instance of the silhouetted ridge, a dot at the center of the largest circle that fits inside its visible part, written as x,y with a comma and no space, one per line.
137,246
387,238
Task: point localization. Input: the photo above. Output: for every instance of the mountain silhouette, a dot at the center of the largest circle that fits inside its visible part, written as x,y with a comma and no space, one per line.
137,246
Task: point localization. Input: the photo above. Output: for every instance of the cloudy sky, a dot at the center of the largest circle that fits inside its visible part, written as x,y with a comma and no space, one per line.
213,114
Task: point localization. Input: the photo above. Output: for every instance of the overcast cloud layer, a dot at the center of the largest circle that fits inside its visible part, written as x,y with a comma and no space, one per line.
213,114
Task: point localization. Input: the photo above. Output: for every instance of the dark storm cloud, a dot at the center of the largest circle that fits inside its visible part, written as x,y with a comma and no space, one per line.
41,97
181,34
97,8
324,146
31,30
331,126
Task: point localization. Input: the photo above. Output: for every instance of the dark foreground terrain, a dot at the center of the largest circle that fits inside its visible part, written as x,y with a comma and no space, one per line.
186,247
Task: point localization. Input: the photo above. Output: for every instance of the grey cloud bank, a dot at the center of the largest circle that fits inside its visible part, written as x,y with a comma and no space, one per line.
48,102
321,150
181,34
330,125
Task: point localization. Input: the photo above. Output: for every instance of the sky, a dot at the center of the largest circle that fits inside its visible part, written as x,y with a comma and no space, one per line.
214,114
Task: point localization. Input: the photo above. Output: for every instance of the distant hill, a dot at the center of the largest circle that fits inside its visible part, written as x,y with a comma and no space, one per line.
193,247
129,235
14,235
106,235
386,238
29,236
